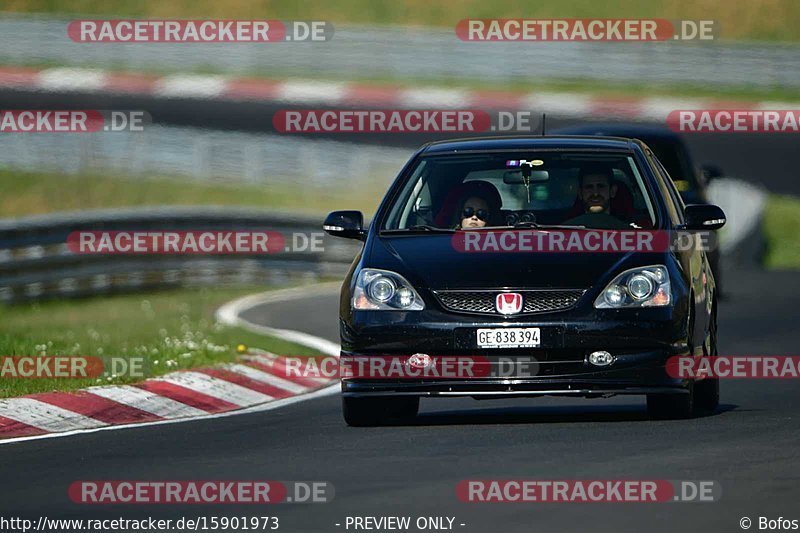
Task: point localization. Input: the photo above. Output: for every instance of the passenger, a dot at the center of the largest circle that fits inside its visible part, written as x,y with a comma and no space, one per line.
479,207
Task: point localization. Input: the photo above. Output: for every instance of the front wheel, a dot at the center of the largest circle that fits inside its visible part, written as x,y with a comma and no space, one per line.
374,411
703,395
706,395
707,390
666,406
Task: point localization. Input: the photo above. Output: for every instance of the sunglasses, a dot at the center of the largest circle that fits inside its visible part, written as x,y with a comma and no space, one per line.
482,214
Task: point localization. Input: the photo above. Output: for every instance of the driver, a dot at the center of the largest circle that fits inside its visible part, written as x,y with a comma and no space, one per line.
597,188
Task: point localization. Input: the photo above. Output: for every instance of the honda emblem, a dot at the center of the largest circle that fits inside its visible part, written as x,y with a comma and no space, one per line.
508,303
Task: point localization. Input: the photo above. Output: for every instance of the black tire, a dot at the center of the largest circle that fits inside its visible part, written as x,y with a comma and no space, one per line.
706,392
363,412
671,406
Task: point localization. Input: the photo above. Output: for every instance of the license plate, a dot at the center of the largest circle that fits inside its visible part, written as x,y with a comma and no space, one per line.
508,337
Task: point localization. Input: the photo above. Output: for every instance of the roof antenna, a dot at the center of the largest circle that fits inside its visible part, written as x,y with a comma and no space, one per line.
544,118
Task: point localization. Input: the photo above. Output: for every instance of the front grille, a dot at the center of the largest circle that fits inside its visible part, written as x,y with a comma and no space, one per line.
533,301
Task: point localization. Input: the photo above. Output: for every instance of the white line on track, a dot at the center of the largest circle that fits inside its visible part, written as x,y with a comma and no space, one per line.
269,379
433,97
230,314
305,91
45,416
216,388
146,401
269,361
72,79
190,85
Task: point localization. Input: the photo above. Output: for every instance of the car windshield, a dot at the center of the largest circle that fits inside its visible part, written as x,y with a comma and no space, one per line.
584,189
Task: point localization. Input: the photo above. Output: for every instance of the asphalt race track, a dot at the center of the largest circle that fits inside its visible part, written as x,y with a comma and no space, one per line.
749,446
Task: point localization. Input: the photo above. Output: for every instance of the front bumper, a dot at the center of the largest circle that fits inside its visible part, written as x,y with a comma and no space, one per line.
502,390
640,340
636,373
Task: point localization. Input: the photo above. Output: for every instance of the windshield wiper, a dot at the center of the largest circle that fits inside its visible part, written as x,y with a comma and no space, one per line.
419,228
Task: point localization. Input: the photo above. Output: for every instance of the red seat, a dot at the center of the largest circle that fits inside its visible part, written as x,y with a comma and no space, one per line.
450,204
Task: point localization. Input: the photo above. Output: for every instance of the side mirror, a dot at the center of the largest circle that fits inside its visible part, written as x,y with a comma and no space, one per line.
703,217
347,224
711,172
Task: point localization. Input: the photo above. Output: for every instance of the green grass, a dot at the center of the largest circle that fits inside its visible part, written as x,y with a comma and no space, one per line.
782,232
770,20
171,330
23,193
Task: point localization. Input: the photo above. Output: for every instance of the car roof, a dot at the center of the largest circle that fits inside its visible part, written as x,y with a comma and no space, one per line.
529,142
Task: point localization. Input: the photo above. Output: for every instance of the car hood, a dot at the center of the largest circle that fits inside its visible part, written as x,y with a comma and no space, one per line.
431,261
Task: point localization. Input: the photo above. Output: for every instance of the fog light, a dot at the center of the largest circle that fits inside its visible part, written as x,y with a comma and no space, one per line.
601,358
614,295
405,297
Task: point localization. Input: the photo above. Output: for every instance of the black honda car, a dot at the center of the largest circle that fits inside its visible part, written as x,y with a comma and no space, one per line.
447,270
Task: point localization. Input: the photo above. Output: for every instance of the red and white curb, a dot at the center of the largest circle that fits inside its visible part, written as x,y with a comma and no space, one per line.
257,382
326,93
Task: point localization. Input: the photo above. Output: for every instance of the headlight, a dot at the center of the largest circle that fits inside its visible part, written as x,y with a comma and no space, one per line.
637,287
381,290
640,287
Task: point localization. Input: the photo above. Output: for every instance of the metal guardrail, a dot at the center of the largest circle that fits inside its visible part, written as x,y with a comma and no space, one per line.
205,155
36,263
